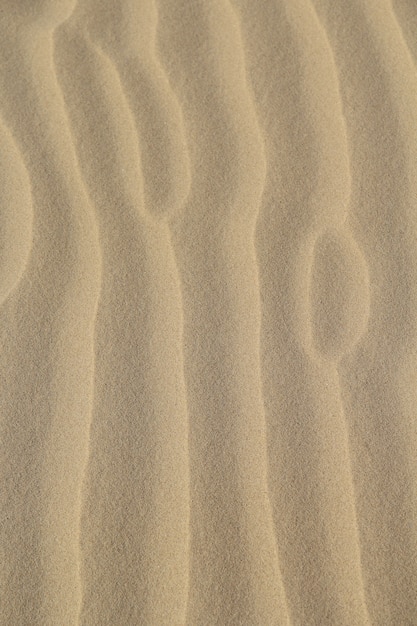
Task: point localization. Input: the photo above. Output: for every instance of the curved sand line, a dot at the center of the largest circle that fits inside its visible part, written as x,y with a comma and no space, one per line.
136,514
338,294
234,575
127,34
377,379
306,192
16,210
404,13
241,177
283,617
47,332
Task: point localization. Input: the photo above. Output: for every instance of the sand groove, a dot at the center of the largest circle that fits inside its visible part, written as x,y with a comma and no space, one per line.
339,294
375,378
208,327
16,216
47,324
304,196
140,426
214,243
404,13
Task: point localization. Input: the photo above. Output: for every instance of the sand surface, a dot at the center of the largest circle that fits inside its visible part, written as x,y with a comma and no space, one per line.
208,322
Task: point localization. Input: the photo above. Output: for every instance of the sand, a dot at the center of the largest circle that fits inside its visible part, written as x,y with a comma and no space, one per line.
208,322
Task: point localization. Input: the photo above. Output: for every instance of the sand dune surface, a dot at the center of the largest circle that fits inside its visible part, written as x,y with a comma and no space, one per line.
208,313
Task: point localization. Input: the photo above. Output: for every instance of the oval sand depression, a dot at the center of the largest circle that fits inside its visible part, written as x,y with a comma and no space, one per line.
339,294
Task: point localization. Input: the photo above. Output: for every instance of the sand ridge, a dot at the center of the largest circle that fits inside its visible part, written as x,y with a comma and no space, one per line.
208,328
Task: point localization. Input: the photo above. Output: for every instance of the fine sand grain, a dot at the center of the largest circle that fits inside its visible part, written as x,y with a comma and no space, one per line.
208,313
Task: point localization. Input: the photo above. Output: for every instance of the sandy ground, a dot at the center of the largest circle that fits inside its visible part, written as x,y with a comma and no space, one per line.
208,322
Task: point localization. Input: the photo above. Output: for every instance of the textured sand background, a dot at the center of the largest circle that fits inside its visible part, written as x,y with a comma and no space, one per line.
208,287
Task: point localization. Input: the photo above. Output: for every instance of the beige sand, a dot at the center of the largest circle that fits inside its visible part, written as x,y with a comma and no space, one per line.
208,288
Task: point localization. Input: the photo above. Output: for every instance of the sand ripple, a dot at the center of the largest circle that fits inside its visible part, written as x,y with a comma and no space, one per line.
208,306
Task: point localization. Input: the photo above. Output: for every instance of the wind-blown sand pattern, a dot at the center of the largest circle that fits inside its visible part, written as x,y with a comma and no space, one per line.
208,296
137,509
